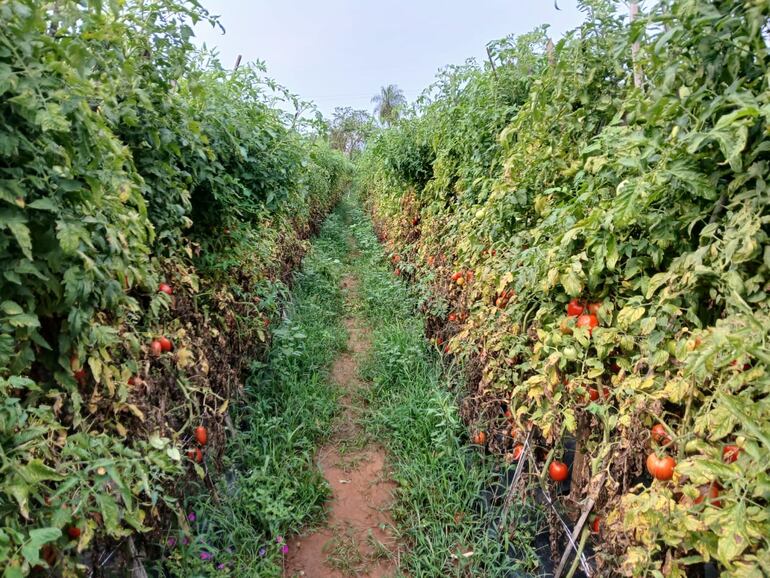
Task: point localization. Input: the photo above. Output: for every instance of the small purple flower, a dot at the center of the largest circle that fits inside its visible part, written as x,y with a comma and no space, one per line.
279,539
284,549
262,552
191,517
220,566
206,556
171,542
185,540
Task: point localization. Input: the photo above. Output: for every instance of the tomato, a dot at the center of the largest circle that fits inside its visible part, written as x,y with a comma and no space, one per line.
396,258
461,281
452,317
589,321
165,344
439,341
593,308
457,275
661,468
165,288
558,471
730,453
49,554
596,525
659,434
195,455
201,435
135,380
593,394
575,308
156,348
73,532
712,491
81,376
480,438
397,272
517,451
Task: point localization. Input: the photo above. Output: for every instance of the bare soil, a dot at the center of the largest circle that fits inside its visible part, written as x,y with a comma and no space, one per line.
356,539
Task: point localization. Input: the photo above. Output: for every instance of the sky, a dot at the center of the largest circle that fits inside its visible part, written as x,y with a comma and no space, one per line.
340,52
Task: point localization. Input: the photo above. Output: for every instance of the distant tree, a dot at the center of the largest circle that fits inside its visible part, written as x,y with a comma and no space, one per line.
349,129
388,103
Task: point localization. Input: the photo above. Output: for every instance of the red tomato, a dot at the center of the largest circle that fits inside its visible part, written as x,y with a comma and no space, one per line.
593,394
156,348
165,344
593,308
517,451
135,380
396,258
397,272
558,471
575,308
457,275
661,468
195,455
201,435
712,490
589,321
49,554
165,288
439,341
659,434
730,453
596,525
81,376
73,532
452,317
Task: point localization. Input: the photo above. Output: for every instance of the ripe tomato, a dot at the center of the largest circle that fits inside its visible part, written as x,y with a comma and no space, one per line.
165,344
480,438
659,434
49,554
156,348
558,471
165,288
596,525
397,272
712,491
661,468
73,532
439,341
457,275
589,321
575,308
201,435
81,376
195,455
517,451
593,394
730,453
452,317
593,308
135,380
396,258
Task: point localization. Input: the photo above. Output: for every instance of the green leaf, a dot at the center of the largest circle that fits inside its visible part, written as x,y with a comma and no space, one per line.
11,308
109,511
37,539
36,471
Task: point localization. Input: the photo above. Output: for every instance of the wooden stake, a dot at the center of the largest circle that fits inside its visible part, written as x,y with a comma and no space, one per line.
237,62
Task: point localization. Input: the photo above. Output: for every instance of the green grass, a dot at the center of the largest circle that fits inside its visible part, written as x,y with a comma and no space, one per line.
413,410
271,486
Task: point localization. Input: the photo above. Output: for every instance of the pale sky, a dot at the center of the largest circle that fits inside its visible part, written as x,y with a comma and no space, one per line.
339,52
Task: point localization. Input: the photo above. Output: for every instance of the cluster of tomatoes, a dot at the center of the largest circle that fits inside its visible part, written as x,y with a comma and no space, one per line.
501,302
460,278
584,315
162,344
201,436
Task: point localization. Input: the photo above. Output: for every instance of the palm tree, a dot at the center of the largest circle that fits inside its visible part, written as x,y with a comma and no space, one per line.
388,103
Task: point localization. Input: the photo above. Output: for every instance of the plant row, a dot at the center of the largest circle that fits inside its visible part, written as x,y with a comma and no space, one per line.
151,207
588,226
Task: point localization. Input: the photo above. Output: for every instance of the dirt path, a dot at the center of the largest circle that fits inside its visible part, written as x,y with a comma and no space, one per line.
355,540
